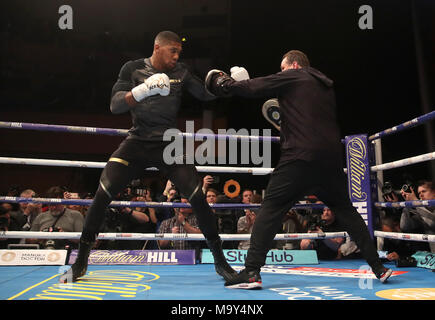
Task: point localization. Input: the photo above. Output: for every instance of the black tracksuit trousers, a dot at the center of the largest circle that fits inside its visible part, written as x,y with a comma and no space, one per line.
129,162
289,182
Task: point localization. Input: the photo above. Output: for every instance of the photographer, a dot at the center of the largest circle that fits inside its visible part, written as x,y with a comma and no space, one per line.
418,219
139,220
327,249
58,218
399,249
391,195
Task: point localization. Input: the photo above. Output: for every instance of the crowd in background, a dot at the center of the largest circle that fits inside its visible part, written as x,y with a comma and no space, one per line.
58,217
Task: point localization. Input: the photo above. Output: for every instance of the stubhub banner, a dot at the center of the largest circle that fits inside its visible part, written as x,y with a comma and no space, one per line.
273,256
138,257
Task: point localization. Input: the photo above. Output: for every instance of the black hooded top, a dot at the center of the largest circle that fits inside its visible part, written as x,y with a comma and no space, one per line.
309,129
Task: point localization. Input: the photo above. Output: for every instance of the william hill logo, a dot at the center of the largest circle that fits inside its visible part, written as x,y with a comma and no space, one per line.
357,159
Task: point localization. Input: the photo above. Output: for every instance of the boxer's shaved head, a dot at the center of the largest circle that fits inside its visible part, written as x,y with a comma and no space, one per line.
166,37
297,56
167,50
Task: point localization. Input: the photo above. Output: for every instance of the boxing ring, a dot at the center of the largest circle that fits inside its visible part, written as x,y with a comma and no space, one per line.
318,280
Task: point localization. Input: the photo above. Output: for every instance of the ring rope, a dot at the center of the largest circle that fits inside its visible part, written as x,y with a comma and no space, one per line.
200,237
123,132
406,236
216,169
162,236
406,204
406,125
101,165
142,204
404,162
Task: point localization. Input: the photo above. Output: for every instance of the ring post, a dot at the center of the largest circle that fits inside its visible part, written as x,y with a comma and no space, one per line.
358,176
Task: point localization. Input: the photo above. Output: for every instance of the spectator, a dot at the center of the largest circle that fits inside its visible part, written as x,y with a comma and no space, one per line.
184,221
211,195
58,218
244,226
139,220
84,209
293,222
331,248
8,223
247,196
396,248
72,196
28,211
246,222
419,219
168,195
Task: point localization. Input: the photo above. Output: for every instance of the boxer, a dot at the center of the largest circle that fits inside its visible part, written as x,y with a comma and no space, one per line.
151,90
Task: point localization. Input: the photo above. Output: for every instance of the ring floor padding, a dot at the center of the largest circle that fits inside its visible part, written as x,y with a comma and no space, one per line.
328,280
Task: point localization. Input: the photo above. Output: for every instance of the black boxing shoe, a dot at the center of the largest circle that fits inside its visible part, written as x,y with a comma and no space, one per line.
78,269
247,280
220,262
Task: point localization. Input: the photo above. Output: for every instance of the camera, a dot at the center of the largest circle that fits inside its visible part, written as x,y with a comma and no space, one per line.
388,192
407,188
113,220
406,262
387,189
51,229
315,221
216,179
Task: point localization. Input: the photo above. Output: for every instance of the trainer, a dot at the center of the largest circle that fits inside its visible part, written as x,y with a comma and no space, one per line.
311,159
151,90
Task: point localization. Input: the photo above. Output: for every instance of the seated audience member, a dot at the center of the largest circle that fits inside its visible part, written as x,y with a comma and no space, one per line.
396,248
331,248
418,219
184,221
58,218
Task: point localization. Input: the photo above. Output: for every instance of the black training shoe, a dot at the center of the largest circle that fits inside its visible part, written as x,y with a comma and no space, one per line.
245,280
78,269
220,263
224,270
74,273
383,274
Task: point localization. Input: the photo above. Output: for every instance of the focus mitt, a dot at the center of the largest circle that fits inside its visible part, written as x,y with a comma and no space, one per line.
215,81
271,113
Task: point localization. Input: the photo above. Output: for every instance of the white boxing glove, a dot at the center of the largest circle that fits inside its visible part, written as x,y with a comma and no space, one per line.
156,84
239,73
